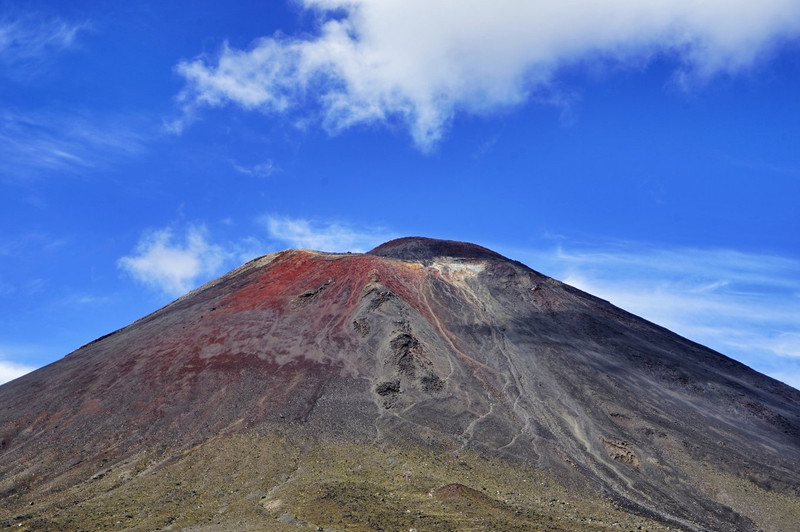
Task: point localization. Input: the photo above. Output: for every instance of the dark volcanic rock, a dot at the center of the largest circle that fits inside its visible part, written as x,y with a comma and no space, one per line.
424,249
443,344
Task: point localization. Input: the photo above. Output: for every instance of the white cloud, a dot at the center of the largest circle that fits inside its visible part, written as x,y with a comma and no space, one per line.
786,344
746,306
174,265
27,41
12,370
418,62
39,141
261,170
323,236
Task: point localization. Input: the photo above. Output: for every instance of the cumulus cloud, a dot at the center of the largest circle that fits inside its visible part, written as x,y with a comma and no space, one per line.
12,370
323,236
418,62
174,264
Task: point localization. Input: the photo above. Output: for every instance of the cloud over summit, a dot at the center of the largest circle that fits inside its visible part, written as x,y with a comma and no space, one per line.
419,62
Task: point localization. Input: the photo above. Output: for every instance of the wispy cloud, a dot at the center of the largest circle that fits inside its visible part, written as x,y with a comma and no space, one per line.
260,170
28,41
84,300
744,305
418,62
35,142
172,263
16,245
323,235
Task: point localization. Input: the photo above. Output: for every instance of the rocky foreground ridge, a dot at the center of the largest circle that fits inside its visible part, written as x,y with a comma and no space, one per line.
426,384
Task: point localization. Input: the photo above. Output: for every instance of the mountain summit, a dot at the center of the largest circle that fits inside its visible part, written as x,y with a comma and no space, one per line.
423,249
426,384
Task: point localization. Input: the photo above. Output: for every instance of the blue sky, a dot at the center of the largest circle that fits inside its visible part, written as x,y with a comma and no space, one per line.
645,151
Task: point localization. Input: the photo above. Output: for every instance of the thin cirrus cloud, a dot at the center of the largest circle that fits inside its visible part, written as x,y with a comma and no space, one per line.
418,62
28,41
260,170
744,305
323,235
36,142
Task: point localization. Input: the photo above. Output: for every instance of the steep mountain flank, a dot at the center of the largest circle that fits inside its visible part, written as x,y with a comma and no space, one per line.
426,384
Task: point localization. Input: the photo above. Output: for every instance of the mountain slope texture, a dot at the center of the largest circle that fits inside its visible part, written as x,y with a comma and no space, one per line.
427,384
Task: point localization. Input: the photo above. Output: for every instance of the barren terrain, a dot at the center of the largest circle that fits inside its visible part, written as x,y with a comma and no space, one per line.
427,384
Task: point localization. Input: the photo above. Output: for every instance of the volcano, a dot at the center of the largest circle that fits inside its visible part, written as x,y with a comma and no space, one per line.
426,384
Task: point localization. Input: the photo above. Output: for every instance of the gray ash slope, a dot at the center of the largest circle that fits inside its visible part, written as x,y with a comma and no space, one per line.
627,404
443,343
